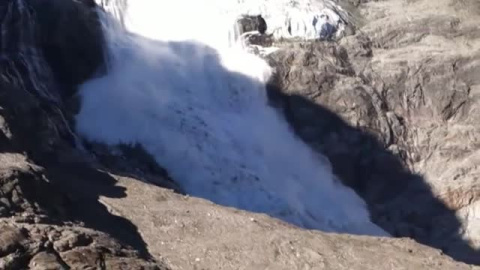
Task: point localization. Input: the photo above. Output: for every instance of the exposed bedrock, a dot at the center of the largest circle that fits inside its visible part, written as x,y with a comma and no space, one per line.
395,109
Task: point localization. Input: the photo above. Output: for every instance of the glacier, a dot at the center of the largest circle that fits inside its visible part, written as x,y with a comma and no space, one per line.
178,86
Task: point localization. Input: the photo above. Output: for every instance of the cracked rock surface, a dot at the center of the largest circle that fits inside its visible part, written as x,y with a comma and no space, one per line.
395,109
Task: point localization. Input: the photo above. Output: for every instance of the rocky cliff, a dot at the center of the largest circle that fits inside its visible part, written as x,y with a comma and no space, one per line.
394,109
68,205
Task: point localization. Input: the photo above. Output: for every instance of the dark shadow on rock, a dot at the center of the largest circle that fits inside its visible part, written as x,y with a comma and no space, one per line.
133,161
84,186
68,187
399,201
70,36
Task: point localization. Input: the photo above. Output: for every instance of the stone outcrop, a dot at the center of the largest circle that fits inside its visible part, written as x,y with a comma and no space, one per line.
394,108
252,23
45,223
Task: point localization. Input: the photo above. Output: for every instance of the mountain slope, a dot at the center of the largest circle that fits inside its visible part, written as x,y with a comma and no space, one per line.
63,205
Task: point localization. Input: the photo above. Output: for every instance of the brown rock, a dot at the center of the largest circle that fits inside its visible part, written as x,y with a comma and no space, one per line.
83,258
46,261
11,239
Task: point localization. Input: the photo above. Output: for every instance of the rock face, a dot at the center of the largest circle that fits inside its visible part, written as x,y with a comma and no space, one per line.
44,222
252,32
394,108
69,34
252,23
65,206
44,218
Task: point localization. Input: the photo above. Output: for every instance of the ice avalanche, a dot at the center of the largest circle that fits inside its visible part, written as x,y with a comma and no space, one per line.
178,86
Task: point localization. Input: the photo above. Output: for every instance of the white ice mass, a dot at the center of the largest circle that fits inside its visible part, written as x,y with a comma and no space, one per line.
197,104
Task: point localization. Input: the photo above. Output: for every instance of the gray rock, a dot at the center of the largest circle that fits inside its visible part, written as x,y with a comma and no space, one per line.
394,108
249,23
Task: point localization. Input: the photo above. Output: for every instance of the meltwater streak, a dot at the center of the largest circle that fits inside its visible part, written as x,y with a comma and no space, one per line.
203,115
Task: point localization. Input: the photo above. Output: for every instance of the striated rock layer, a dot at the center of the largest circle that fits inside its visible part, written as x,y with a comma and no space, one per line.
394,108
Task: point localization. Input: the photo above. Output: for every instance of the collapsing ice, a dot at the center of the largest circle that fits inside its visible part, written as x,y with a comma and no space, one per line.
202,113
